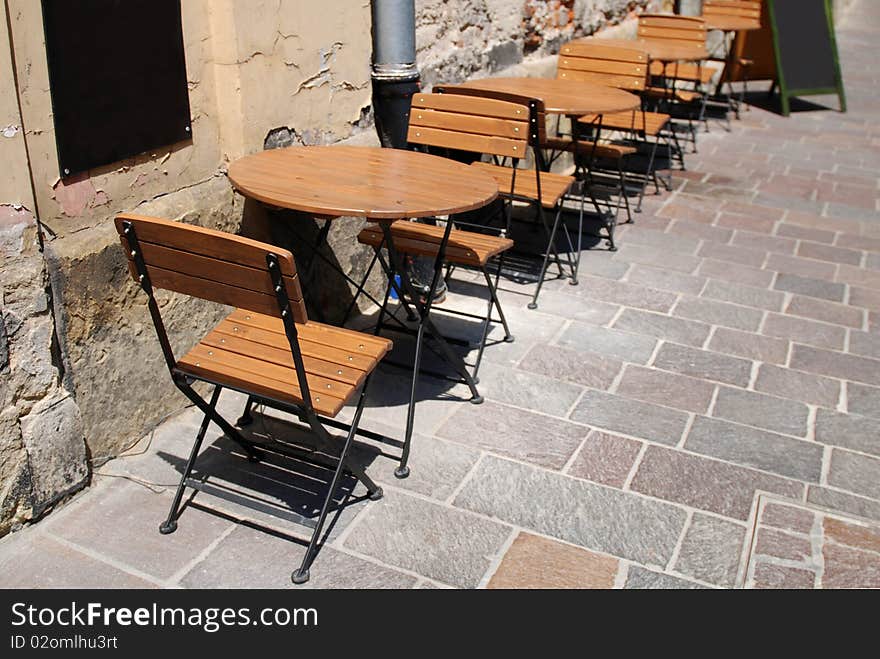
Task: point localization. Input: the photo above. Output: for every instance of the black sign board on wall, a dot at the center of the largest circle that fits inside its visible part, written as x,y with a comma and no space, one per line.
118,78
806,51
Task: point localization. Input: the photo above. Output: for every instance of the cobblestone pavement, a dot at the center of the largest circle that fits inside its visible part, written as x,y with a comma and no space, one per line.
701,411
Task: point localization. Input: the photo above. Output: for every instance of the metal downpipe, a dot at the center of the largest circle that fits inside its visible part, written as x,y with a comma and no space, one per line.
394,71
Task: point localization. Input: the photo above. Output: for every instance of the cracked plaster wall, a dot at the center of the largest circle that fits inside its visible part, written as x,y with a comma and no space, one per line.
42,452
78,355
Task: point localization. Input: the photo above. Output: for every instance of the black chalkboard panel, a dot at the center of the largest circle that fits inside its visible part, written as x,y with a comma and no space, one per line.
118,79
806,51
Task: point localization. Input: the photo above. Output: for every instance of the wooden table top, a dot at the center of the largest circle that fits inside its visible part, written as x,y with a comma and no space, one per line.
563,96
732,23
658,50
379,184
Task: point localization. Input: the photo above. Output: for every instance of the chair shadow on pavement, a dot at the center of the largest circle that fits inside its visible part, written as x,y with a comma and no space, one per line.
762,100
279,482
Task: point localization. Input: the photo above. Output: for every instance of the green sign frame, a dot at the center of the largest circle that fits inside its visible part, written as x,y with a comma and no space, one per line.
787,94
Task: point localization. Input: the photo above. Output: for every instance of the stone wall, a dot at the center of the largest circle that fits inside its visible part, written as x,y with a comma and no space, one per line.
42,452
459,38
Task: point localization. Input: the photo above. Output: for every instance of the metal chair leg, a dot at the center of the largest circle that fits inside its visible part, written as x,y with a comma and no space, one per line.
170,524
576,266
254,454
246,418
402,470
622,191
496,303
648,172
534,303
301,575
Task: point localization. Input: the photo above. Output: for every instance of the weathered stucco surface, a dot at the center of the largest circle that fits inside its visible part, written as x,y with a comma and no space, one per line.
252,67
42,452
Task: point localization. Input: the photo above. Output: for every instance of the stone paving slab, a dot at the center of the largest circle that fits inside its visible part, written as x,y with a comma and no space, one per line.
121,521
817,548
711,550
536,562
34,560
640,578
250,558
516,433
437,541
700,411
579,512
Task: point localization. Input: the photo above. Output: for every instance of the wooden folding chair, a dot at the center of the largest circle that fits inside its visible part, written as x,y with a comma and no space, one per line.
497,117
750,9
267,348
691,103
625,67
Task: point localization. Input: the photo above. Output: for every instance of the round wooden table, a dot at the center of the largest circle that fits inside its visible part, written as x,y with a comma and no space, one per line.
563,96
378,184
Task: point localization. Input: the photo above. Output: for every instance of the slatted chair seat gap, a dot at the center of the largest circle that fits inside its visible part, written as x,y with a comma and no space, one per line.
244,359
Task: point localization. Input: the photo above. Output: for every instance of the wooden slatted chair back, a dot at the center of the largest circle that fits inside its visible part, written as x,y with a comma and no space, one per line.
211,265
469,123
535,139
741,8
684,30
585,60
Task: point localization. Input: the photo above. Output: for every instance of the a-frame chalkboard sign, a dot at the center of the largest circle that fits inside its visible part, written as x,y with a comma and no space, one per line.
806,50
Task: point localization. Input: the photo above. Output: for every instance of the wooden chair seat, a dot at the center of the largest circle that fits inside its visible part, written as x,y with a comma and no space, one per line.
608,150
414,238
646,123
553,186
680,95
250,351
682,71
